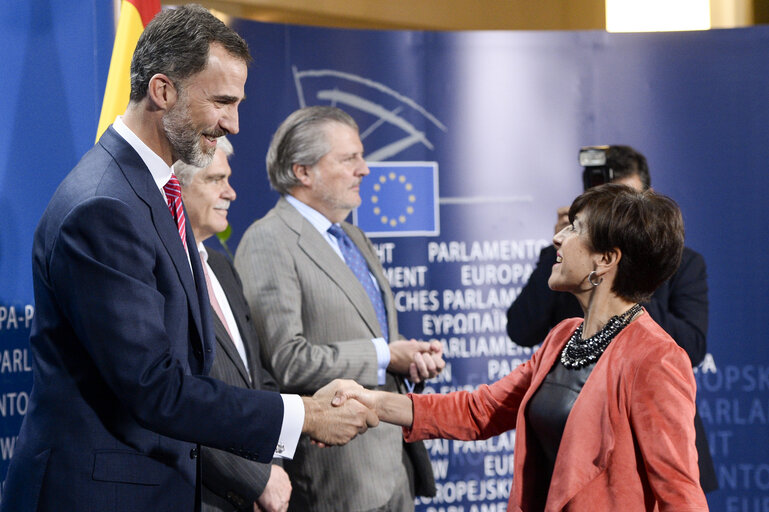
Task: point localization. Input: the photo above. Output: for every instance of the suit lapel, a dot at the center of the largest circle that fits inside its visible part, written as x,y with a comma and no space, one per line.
202,314
140,179
372,260
228,347
320,252
232,291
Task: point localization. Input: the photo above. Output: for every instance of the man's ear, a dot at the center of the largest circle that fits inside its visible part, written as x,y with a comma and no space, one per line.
162,92
303,174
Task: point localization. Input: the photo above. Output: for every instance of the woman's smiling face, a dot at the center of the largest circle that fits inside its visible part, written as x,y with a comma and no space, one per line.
575,257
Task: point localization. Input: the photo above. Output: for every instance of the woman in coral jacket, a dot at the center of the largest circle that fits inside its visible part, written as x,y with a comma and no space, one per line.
604,410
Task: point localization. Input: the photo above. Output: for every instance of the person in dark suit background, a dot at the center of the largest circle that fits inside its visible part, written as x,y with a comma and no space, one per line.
679,305
230,483
122,340
324,309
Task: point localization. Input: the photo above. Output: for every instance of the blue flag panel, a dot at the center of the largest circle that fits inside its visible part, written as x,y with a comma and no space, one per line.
399,199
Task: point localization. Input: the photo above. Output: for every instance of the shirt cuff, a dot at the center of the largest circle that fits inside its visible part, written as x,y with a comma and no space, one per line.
382,359
291,429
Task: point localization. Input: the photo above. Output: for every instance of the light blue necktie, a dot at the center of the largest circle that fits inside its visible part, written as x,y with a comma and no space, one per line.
357,264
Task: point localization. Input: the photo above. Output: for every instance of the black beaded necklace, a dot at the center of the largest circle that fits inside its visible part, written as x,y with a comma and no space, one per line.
579,353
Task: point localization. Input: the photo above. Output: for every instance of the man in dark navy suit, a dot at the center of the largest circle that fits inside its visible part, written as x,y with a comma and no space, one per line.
230,483
679,305
123,338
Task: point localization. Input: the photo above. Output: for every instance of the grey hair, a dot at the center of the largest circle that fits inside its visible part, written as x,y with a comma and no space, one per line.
185,172
301,139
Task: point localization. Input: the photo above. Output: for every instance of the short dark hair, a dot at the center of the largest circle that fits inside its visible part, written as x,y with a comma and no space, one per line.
647,227
626,161
176,43
301,139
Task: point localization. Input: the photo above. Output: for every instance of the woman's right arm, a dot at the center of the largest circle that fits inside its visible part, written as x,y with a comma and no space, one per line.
485,412
488,411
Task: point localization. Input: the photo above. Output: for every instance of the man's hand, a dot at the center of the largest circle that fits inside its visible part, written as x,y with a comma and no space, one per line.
336,425
419,360
563,218
276,493
427,365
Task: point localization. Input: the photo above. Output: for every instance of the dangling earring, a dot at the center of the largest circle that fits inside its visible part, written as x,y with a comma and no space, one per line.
590,278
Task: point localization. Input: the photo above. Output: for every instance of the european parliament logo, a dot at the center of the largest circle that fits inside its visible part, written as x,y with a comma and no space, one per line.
399,199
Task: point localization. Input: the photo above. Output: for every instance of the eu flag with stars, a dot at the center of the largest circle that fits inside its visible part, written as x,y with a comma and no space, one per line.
399,199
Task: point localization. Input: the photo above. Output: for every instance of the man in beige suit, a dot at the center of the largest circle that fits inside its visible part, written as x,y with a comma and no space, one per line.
324,310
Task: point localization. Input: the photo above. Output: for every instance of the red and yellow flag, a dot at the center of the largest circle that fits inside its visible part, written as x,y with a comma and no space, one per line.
134,16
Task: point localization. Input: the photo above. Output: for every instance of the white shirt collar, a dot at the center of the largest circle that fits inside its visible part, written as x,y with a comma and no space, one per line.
160,172
203,252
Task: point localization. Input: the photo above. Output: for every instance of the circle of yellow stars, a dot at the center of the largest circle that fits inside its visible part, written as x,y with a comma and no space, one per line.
393,177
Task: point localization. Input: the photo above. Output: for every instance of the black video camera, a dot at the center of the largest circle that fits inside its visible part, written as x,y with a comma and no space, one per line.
597,170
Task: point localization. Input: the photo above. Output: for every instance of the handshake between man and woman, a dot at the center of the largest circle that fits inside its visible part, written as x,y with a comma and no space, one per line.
354,409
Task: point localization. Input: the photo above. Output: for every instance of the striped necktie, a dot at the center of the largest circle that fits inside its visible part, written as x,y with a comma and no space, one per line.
356,262
173,192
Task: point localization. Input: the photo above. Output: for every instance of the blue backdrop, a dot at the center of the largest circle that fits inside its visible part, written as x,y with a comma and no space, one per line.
54,65
502,114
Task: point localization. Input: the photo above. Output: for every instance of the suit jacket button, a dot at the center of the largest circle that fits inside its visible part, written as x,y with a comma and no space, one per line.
194,453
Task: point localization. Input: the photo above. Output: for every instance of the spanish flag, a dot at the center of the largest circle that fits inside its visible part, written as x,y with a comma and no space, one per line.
134,16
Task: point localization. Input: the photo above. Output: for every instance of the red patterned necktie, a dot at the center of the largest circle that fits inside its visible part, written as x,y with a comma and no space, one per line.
173,192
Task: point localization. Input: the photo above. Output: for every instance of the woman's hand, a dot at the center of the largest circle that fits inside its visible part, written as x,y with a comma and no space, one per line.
389,407
351,390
